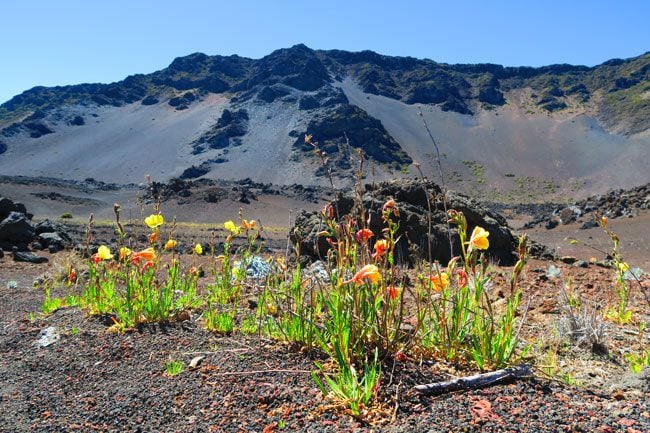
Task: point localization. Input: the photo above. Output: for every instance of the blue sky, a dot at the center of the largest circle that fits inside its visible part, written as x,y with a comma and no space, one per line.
46,42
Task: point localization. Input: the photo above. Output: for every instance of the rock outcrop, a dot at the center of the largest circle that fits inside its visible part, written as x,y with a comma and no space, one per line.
614,204
345,127
17,232
415,242
226,132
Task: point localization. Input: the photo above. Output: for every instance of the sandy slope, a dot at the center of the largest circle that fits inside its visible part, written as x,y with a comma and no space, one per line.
119,145
511,140
122,145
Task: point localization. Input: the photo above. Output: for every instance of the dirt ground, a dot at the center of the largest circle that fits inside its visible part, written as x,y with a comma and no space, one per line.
94,380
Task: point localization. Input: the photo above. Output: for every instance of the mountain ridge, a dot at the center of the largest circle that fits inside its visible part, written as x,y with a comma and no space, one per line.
406,78
230,116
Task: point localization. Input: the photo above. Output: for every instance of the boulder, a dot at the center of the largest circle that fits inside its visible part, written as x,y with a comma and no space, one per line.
24,256
150,100
52,241
7,206
414,242
53,233
271,93
16,228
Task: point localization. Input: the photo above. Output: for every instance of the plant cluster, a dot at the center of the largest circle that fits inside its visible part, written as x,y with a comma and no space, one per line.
361,311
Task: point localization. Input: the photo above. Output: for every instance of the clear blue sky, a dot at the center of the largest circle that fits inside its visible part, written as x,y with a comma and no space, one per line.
48,42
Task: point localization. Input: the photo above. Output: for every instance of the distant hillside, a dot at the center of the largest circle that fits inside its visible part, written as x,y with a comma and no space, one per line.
234,117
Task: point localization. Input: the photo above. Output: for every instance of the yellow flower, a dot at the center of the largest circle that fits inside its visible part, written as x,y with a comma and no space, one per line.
369,272
124,252
479,239
198,249
622,266
231,227
104,253
440,281
170,245
154,221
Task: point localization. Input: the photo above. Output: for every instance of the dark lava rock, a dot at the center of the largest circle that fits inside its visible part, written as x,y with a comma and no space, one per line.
329,96
334,128
23,256
7,206
308,102
271,93
3,147
77,121
37,129
491,95
17,230
16,227
230,126
193,172
414,242
182,102
52,234
589,224
569,260
299,67
613,204
551,224
52,240
150,100
48,226
567,216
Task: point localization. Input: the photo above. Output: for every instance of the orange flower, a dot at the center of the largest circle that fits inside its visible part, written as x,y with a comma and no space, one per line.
248,225
171,244
479,239
390,206
153,237
440,281
364,234
145,255
381,246
147,265
393,292
368,272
